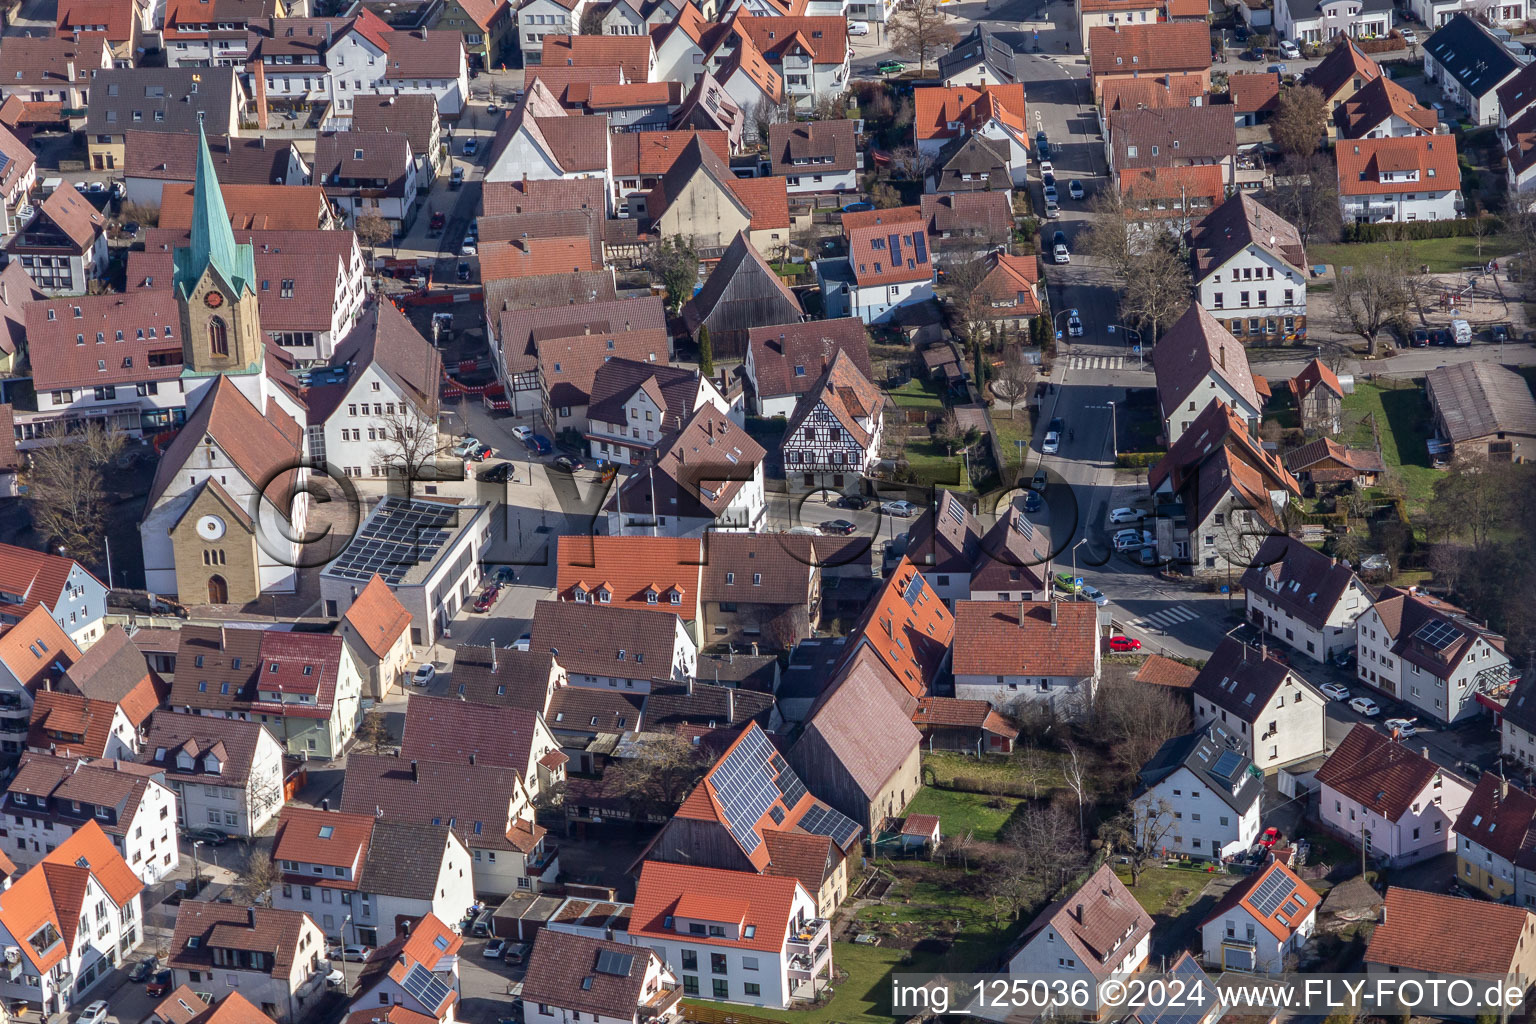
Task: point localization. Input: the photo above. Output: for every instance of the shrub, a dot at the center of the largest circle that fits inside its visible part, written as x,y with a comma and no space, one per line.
1138,460
1416,230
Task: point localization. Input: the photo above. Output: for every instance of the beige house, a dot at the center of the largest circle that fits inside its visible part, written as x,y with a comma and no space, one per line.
377,632
699,198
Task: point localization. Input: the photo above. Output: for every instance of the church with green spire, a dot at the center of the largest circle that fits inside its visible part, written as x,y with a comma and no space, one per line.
215,284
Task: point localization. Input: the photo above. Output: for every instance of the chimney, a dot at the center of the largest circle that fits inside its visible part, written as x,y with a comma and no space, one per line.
250,915
1021,613
1503,787
471,758
1080,913
415,772
69,69
493,655
325,804
1221,356
730,705
690,686
1054,606
327,35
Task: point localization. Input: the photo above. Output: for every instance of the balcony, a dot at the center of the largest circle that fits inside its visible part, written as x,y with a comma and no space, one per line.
808,948
1234,942
546,855
807,965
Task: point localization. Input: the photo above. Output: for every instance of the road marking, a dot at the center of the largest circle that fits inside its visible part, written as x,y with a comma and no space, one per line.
1167,618
1096,362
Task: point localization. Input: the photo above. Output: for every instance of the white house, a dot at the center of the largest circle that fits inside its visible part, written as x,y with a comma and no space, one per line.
784,361
607,647
415,973
540,139
1198,798
1247,261
1261,921
308,692
274,958
1095,934
708,475
1435,13
539,18
368,173
833,437
636,405
76,599
609,982
1302,596
69,936
226,774
1390,798
35,653
1429,654
1400,180
814,157
359,876
376,628
1470,64
387,391
1275,715
50,798
732,936
810,52
1517,729
1041,653
873,282
1196,361
1310,21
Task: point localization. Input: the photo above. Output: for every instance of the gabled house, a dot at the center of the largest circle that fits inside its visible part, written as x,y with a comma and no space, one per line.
979,59
1516,96
1216,430
567,364
908,628
569,975
51,798
489,28
1317,21
1495,837
540,139
1327,463
809,51
784,361
1319,398
1425,933
1484,410
1377,792
752,813
413,115
1430,654
742,292
72,726
708,107
640,159
1399,179
34,655
1037,654
1520,152
1298,594
966,225
1344,71
707,475
832,440
634,405
613,648
1171,198
226,774
699,198
1517,729
153,160
1198,361
115,671
415,975
372,172
49,75
72,918
760,590
1097,932
158,101
951,723
1093,14
994,112
1199,796
376,629
63,587
195,34
887,267
63,246
1155,49
1384,109
1249,268
16,293
366,880
1274,714
658,574
274,958
1253,96
1470,65
963,558
1157,138
733,936
970,164
1261,922
814,157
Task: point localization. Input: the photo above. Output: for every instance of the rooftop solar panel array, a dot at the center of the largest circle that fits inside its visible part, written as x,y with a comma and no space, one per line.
399,535
824,821
610,962
1272,892
749,782
914,590
425,987
1226,764
1437,634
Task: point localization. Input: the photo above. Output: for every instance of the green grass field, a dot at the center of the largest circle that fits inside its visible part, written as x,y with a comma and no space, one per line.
1444,255
1402,414
959,812
917,394
1165,890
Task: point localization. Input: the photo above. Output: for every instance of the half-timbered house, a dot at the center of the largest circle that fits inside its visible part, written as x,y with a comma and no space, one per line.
834,434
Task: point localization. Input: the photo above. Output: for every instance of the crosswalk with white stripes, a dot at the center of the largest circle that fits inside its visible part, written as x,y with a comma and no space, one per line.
1095,362
1167,618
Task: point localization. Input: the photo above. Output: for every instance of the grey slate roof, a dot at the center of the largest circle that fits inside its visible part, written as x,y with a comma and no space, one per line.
980,46
1477,399
1200,751
166,99
1470,55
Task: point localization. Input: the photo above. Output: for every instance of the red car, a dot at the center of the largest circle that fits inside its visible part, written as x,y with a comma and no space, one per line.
438,220
1270,837
487,598
1124,643
160,985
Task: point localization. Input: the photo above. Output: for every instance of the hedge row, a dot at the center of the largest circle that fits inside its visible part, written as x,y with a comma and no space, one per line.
1417,230
1138,460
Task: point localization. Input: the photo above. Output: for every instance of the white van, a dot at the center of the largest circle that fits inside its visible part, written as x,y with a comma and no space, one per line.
1462,331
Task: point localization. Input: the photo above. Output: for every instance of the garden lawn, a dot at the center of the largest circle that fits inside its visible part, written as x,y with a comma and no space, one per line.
1010,431
917,394
959,812
864,998
1444,255
943,766
1402,416
931,461
1160,885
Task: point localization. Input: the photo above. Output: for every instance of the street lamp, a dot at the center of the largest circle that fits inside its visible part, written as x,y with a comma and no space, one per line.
1114,434
197,868
1076,589
344,922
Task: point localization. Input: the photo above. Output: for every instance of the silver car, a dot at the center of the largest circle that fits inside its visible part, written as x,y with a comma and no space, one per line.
1094,594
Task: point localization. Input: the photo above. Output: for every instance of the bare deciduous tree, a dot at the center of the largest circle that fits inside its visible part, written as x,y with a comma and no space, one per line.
409,442
373,731
919,31
1300,122
1110,236
1369,297
829,106
1156,288
1077,781
1013,382
66,487
667,767
1306,193
911,163
1136,718
256,881
1137,834
372,232
764,115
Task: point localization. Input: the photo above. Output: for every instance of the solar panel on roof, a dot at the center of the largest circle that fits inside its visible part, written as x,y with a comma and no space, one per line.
1226,764
399,535
424,986
1437,634
611,962
955,511
748,783
895,244
914,589
822,820
1023,525
1272,892
920,246
1197,997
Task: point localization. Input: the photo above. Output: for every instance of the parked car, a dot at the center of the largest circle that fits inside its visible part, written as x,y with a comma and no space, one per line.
207,836
1364,706
159,985
351,954
523,643
1405,726
1059,250
424,675
522,433
517,952
1052,443
469,248
470,145
1419,338
851,501
900,509
1044,149
131,229
1345,658
1050,194
1252,54
1409,36
506,574
837,527
538,444
1289,50
142,969
1041,141
1124,643
1075,189
1127,515
499,473
1074,325
1033,501
1047,172
96,1013
891,67
456,179
1499,334
487,599
1133,540
567,464
96,187
463,271
1270,837
1094,594
1441,338
1038,481
1277,69
1066,581
1052,209
1335,691
439,219
494,949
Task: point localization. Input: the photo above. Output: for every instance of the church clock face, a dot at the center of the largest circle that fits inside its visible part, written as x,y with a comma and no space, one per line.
210,527
213,300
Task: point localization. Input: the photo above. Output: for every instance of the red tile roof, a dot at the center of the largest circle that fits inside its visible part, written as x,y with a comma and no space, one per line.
951,712
1132,93
629,568
1377,772
1150,49
65,351
37,577
1100,921
1286,918
825,39
936,107
327,838
1380,99
1343,64
70,726
378,616
870,251
1160,671
990,639
907,626
765,902
250,207
36,649
766,200
530,257
1362,161
1423,931
632,53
